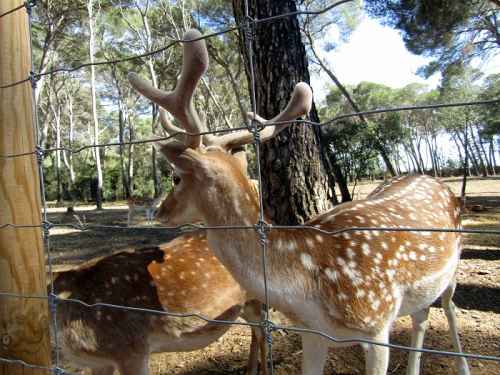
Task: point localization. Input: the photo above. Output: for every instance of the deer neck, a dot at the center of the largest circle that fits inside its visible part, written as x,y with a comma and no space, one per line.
241,251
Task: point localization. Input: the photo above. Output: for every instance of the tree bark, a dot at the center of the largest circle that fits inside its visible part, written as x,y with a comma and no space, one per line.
294,183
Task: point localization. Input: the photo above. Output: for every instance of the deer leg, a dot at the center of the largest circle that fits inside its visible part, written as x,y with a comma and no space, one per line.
450,311
134,365
314,354
377,356
252,313
419,323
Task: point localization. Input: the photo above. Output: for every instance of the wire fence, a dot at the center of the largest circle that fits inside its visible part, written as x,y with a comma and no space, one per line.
262,228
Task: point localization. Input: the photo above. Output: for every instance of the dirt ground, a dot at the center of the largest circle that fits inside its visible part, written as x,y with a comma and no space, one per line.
477,296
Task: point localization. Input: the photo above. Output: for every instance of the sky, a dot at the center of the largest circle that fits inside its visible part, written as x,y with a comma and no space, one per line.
377,53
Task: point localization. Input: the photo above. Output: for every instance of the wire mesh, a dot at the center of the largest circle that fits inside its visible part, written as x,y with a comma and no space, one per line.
261,227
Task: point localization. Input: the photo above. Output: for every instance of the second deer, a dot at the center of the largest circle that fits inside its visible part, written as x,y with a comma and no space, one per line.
350,285
180,277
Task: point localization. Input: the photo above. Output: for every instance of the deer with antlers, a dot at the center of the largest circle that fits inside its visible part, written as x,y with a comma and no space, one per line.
350,285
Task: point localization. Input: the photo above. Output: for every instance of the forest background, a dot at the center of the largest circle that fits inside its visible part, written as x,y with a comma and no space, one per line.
96,105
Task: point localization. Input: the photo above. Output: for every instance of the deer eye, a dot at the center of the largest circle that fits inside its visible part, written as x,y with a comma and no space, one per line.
176,180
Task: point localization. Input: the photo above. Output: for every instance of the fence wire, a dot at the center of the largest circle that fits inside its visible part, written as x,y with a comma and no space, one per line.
40,151
261,227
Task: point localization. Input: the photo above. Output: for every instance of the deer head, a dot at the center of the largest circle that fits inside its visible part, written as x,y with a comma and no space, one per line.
188,151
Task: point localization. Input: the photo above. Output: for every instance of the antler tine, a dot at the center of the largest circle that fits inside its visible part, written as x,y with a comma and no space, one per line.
300,104
179,102
167,125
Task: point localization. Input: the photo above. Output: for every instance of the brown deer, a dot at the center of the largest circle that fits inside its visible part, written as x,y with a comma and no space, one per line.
144,205
180,277
353,284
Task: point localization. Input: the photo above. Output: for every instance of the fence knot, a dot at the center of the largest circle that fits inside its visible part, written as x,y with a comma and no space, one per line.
29,5
59,371
262,228
46,226
254,126
33,78
268,327
248,29
40,154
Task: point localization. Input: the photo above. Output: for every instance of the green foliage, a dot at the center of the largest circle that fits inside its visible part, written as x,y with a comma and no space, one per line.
452,31
490,114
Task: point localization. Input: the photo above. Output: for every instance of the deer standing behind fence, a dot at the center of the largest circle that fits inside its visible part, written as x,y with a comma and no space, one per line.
351,285
139,205
180,277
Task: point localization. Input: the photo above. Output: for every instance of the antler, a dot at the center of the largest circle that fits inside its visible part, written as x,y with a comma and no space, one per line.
179,102
300,104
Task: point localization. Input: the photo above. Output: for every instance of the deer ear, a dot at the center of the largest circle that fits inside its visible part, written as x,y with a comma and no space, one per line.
183,158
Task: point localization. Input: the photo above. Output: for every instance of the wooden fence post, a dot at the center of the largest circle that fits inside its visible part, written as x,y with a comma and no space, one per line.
24,328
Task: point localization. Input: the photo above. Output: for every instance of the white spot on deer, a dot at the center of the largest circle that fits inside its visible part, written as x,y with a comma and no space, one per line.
291,246
182,276
360,293
309,242
307,261
375,304
331,274
384,245
346,235
340,261
413,255
342,296
361,219
319,238
390,273
350,253
365,247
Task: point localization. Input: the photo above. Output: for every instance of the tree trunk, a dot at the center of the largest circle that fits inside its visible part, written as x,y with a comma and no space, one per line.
484,170
492,156
95,134
56,115
68,156
294,183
